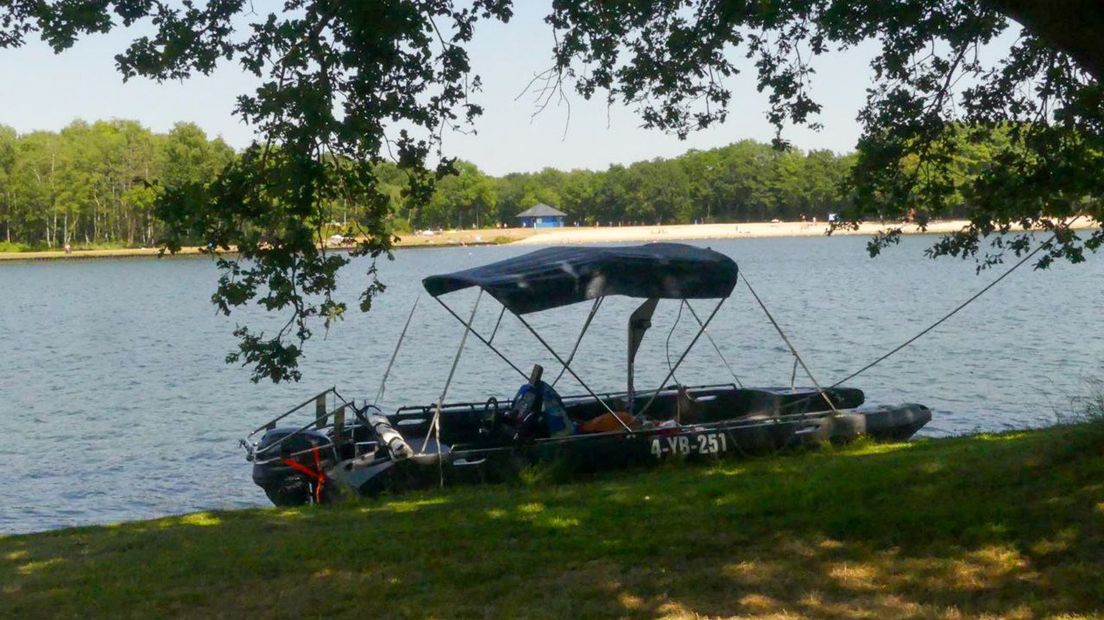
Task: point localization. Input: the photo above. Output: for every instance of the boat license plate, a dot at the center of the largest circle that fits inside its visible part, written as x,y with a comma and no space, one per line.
685,445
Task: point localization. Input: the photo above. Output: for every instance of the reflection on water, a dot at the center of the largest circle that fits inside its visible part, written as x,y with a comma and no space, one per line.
115,403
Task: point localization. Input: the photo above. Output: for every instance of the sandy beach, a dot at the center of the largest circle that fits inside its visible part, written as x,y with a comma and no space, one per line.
568,236
753,230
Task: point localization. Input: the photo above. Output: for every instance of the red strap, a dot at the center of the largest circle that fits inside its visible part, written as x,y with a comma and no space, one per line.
321,477
316,474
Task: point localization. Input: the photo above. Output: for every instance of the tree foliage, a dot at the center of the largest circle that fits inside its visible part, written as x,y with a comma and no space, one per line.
741,182
101,182
670,59
97,183
347,85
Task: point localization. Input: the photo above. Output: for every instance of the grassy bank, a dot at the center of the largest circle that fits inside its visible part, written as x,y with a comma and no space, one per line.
1005,525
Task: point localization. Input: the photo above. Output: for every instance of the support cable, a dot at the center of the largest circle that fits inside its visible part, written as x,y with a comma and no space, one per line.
667,343
944,318
793,350
579,340
395,354
715,347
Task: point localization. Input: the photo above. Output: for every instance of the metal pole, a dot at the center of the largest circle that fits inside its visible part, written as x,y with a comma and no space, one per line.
793,350
682,357
570,370
715,347
481,338
395,354
435,425
579,340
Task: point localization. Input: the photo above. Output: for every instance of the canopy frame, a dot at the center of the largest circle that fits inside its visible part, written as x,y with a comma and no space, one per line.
596,271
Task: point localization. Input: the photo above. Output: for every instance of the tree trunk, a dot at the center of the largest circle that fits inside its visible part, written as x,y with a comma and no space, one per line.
1072,26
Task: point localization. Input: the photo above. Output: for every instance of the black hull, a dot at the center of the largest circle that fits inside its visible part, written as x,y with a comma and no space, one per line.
466,464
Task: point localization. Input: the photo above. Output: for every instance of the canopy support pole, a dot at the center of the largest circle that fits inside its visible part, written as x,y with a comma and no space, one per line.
579,340
497,323
793,350
435,425
640,321
714,343
481,338
572,371
395,354
682,357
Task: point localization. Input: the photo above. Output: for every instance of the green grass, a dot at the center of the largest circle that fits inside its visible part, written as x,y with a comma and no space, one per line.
10,246
1005,525
6,246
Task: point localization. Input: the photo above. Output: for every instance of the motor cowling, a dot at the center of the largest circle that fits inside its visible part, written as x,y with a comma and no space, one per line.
285,483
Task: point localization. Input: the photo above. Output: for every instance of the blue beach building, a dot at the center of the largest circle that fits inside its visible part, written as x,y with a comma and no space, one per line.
541,215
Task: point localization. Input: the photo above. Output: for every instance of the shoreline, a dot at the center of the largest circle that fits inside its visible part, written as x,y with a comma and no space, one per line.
560,236
1021,531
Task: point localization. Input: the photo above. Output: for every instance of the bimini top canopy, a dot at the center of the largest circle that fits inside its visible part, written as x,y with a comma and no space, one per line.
555,277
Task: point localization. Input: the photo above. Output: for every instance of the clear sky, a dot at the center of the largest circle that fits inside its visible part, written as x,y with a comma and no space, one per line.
44,91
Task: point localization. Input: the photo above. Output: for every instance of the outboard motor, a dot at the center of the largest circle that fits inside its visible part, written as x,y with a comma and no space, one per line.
293,472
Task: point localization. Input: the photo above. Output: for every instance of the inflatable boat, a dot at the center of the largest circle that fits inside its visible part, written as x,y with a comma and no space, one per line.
347,446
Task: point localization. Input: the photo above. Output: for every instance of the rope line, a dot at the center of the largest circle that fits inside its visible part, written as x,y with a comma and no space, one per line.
387,373
962,305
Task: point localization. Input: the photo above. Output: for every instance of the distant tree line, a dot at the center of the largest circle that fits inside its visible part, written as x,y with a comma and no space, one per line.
745,181
96,183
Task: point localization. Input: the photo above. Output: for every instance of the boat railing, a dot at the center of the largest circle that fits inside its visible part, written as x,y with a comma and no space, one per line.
319,401
324,413
411,415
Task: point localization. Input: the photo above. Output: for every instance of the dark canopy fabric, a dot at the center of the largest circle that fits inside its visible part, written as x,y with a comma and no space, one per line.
559,276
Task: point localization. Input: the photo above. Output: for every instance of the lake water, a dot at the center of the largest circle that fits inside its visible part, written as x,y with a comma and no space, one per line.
115,403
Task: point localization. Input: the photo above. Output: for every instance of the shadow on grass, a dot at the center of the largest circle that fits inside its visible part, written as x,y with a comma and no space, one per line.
1007,525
